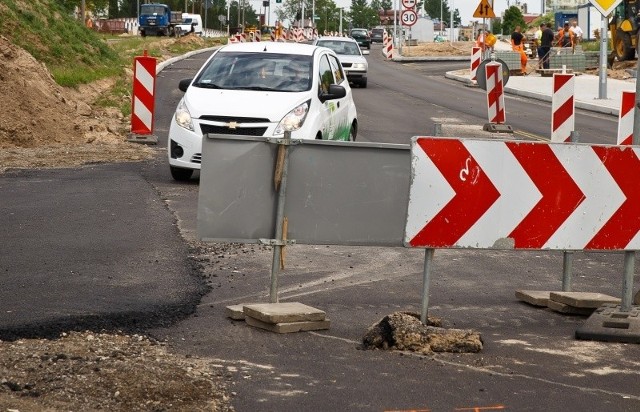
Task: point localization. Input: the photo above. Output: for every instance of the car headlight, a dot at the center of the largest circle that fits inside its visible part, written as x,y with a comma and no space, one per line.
294,119
359,66
183,117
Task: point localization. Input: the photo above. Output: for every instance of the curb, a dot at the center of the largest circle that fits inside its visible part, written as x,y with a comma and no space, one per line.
539,96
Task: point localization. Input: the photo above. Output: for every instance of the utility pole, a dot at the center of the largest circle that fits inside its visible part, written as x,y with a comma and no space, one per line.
82,11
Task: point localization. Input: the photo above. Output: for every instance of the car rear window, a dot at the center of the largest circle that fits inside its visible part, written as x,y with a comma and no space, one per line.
359,32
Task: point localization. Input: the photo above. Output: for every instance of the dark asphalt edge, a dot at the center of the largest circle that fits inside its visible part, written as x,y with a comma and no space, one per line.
134,322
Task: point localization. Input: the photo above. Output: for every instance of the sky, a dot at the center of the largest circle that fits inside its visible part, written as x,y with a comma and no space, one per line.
465,7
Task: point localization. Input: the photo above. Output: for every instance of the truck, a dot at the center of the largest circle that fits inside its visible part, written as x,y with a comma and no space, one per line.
623,27
158,19
191,23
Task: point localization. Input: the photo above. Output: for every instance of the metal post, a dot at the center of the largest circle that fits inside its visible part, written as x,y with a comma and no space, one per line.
426,275
627,281
567,257
567,266
279,242
602,89
395,19
636,109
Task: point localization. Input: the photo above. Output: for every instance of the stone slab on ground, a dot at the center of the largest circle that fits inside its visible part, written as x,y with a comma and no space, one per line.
534,297
236,312
288,327
568,309
583,299
611,324
284,312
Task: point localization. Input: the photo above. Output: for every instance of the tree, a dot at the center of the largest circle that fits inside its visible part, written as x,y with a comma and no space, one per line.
327,11
433,8
363,15
512,18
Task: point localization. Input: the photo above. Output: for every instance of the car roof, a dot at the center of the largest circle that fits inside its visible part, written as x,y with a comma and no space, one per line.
271,47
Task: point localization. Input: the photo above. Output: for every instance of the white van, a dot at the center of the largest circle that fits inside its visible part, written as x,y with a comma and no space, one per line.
191,23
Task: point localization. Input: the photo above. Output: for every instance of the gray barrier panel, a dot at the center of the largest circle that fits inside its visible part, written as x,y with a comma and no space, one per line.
339,193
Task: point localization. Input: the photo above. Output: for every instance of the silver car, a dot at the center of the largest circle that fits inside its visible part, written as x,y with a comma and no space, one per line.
351,57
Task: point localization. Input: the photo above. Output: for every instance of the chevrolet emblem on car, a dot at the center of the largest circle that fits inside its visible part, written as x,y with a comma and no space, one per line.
232,125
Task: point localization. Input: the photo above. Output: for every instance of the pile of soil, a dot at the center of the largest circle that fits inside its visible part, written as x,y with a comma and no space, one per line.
45,125
89,371
404,331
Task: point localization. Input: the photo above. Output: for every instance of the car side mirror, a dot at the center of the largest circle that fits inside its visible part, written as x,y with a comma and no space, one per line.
335,92
184,84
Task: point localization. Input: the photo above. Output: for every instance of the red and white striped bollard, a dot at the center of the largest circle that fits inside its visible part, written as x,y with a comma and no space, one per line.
143,100
625,118
562,107
495,93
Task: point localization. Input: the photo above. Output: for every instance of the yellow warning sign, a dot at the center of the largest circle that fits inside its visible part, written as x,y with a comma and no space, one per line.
484,10
605,7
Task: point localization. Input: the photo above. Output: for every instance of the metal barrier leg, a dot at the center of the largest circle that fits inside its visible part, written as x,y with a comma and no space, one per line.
627,282
567,268
280,181
426,278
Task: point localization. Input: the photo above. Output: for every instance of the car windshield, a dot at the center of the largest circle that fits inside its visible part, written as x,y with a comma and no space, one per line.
257,71
151,9
349,48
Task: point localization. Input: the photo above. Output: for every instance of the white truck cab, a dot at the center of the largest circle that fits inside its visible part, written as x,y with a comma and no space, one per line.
191,23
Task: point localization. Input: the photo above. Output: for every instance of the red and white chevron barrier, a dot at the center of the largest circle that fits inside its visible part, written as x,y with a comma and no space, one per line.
143,99
625,118
562,107
478,193
495,93
476,58
257,36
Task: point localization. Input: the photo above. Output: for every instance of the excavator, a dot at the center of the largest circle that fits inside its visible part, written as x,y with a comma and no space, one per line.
623,27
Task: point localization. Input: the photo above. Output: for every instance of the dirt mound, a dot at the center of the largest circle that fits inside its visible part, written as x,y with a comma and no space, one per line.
404,331
89,371
439,49
41,120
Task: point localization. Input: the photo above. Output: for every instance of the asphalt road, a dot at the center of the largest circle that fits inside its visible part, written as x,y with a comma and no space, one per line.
81,251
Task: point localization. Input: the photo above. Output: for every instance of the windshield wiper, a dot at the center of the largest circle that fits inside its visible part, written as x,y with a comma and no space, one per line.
207,85
260,88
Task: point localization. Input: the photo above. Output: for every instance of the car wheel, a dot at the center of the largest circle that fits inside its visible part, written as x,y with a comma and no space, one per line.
180,174
353,132
363,83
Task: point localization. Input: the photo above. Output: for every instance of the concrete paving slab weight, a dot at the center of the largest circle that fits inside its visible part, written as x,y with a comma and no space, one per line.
611,324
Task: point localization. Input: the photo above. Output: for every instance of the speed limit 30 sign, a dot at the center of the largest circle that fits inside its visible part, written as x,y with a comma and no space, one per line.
408,17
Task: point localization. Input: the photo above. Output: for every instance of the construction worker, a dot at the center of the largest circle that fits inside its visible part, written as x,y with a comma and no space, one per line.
480,39
566,37
517,44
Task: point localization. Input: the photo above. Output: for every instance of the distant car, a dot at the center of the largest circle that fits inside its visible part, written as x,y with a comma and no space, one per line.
377,35
361,36
351,56
261,89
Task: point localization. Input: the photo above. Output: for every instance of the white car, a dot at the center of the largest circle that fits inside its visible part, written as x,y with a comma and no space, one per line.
261,89
350,55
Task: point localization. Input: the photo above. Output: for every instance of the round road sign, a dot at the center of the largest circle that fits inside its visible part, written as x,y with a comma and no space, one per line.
480,73
408,4
408,17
